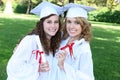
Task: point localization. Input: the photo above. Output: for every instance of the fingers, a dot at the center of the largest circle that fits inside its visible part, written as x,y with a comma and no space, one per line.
44,67
61,58
62,55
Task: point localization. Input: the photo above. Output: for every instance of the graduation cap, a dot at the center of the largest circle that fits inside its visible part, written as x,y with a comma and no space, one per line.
46,8
77,10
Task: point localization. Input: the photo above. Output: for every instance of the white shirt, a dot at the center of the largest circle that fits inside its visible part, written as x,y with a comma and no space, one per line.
23,64
81,66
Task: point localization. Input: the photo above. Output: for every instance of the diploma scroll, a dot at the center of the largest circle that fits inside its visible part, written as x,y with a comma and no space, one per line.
43,60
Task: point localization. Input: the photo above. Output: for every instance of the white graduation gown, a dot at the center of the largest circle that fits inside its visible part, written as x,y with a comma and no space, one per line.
81,66
23,64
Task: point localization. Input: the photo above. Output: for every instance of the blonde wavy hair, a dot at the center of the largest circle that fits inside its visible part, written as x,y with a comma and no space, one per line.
86,29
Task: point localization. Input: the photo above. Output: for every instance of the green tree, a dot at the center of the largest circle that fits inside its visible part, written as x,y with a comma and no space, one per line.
71,1
111,4
91,2
100,2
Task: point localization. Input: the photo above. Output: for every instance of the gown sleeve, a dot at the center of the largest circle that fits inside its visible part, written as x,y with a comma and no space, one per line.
21,66
84,69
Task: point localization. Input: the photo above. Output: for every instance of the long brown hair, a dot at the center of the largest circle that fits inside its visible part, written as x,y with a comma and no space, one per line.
55,40
86,29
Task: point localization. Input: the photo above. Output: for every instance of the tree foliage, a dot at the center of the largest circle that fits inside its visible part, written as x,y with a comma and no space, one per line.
111,4
27,5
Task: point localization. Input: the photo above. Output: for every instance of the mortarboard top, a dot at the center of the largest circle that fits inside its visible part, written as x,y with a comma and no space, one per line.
46,8
77,10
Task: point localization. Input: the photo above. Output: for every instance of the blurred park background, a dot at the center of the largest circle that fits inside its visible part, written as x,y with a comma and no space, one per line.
16,21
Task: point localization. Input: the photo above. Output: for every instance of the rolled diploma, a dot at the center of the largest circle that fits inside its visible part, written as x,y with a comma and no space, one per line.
40,49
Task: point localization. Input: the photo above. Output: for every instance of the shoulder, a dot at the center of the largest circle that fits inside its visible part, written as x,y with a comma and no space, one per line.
83,45
82,42
28,39
64,42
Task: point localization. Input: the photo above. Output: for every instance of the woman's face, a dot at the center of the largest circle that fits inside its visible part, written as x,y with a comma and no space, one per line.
51,26
73,28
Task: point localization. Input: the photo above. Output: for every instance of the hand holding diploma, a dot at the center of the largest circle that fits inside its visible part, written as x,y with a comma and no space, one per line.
61,58
43,64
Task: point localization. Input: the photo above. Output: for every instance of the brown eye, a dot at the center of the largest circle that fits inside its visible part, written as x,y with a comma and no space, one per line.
76,22
56,21
49,22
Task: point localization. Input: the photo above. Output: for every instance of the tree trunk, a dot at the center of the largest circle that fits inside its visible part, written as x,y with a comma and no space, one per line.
71,1
0,3
28,7
8,7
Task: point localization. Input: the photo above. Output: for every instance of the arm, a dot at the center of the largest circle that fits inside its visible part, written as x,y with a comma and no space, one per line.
61,58
44,67
84,70
20,65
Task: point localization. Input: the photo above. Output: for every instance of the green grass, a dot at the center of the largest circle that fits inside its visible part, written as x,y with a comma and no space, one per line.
105,44
12,29
106,51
